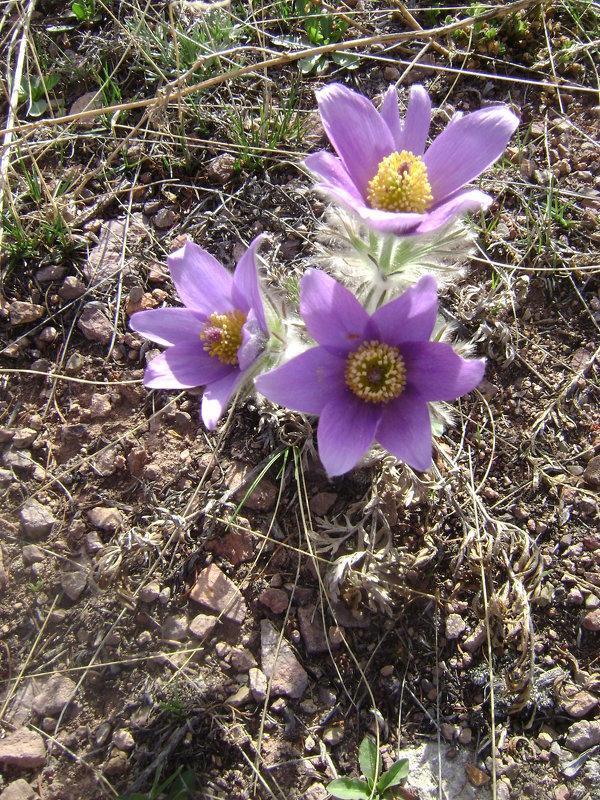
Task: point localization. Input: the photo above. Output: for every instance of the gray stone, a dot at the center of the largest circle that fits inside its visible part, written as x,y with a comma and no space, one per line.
242,659
36,520
105,518
582,735
73,583
202,626
333,736
150,592
279,663
311,629
23,437
576,703
166,218
23,749
104,262
276,600
240,698
175,628
100,406
257,683
94,325
455,626
214,590
18,790
21,463
591,621
591,473
261,498
55,695
71,288
32,554
22,313
220,169
123,740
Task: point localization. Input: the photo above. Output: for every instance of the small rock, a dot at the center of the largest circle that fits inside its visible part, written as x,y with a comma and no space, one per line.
221,169
562,792
105,518
261,498
582,735
21,463
240,698
116,765
18,790
577,703
166,218
36,520
242,659
236,547
90,101
591,621
94,325
575,597
73,583
175,628
591,473
142,301
257,683
476,639
123,740
55,695
100,406
391,73
93,543
321,502
150,592
136,460
214,590
102,734
333,736
202,626
276,600
311,630
23,749
279,663
32,554
52,272
455,626
22,313
465,735
71,288
23,437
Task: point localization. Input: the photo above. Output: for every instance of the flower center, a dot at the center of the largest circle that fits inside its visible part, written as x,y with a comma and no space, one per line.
376,372
222,336
401,184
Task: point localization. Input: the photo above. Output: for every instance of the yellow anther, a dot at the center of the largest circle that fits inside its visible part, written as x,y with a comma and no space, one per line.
222,336
375,372
401,184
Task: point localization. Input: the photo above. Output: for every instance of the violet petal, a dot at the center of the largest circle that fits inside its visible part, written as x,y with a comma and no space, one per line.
184,366
438,373
331,170
246,293
464,201
390,114
217,396
416,122
411,316
468,146
168,326
305,383
254,340
356,130
405,430
202,283
346,430
332,314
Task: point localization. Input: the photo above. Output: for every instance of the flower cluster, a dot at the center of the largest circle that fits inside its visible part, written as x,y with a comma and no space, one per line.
373,369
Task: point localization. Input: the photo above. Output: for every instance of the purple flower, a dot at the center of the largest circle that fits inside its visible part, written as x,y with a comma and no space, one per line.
217,338
370,377
384,172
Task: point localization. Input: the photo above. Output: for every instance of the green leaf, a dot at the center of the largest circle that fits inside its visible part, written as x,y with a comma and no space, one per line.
395,774
348,60
310,63
79,11
369,759
37,107
349,789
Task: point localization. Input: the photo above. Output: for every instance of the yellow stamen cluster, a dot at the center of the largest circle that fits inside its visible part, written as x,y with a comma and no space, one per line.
376,372
401,184
222,336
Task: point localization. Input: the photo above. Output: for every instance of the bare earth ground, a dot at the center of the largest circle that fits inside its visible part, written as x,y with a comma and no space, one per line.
468,625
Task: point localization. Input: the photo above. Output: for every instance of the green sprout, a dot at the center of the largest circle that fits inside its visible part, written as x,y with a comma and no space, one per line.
378,785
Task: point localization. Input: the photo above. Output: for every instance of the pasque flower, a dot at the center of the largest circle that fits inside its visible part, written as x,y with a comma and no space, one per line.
387,175
217,339
370,377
